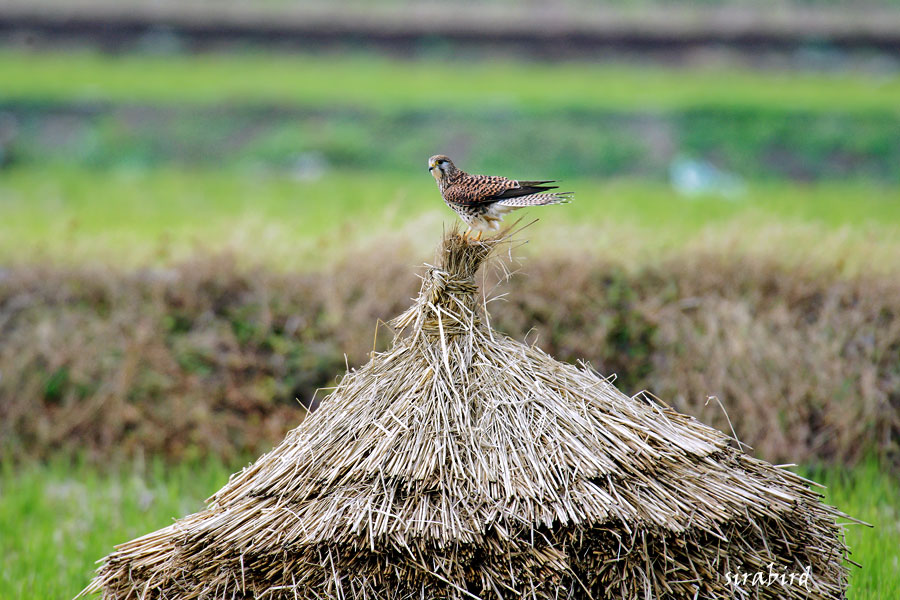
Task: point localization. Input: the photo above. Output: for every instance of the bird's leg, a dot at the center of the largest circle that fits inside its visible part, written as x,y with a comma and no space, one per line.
478,237
465,234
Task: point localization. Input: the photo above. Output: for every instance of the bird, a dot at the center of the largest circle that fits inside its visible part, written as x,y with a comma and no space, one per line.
483,200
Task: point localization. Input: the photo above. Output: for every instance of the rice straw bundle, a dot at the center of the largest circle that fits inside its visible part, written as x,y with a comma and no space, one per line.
461,464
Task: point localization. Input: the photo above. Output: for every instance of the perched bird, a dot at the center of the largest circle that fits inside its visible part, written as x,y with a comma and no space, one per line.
483,200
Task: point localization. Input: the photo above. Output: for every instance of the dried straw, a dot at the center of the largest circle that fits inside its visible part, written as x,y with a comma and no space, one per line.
463,464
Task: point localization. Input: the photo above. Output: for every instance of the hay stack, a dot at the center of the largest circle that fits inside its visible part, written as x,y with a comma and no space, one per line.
462,464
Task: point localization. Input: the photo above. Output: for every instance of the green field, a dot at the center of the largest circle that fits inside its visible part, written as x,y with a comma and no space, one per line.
130,217
58,519
572,119
382,83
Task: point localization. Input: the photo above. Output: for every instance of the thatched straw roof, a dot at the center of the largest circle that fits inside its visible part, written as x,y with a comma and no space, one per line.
461,463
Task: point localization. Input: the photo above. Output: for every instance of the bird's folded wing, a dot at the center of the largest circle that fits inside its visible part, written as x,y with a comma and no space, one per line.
483,189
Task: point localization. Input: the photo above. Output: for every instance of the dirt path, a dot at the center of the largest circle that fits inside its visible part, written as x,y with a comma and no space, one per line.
568,30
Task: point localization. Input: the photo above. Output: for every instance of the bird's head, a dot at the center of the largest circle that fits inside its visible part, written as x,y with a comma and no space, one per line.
440,167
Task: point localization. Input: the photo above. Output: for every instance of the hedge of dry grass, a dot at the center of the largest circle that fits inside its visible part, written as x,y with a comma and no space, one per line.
209,357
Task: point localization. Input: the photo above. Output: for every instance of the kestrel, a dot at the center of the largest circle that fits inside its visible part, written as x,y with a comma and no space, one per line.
483,200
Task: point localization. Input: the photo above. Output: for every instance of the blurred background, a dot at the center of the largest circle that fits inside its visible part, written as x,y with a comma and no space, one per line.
206,205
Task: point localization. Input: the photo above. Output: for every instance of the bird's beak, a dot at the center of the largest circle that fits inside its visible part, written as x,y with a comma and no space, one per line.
431,168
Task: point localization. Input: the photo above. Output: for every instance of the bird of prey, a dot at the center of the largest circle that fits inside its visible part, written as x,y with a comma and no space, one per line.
483,200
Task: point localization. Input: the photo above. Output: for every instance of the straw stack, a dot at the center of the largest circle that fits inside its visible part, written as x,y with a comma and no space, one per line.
464,464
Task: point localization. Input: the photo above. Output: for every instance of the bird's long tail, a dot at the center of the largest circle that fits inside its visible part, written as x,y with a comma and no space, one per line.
538,199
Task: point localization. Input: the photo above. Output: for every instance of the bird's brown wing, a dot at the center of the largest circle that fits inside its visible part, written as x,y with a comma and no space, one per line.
485,189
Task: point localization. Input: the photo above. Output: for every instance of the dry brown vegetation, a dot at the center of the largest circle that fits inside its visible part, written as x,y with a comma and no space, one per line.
211,357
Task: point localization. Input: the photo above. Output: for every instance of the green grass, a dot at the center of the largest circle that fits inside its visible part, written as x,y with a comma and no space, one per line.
56,520
568,119
139,216
370,82
872,496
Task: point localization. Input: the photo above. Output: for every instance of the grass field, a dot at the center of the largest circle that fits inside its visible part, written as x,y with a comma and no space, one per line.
381,83
58,519
572,119
130,217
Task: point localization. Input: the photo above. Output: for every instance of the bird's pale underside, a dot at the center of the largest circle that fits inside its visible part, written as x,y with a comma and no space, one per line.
483,200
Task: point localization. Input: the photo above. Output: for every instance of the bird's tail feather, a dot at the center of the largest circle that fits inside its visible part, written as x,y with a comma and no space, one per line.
538,199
